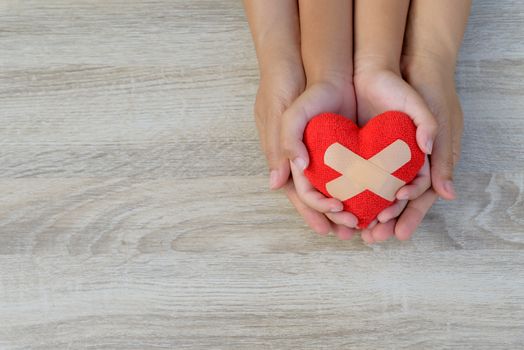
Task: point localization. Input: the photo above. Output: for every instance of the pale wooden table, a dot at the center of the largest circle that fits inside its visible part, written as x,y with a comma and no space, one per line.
134,212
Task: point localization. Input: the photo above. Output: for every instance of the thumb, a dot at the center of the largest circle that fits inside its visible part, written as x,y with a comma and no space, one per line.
269,130
278,164
427,126
442,165
314,100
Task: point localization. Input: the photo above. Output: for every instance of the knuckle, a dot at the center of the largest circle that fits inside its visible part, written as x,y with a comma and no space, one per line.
273,155
270,109
287,146
447,166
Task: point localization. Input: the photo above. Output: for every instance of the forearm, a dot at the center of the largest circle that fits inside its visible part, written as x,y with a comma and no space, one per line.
275,29
379,33
435,30
327,39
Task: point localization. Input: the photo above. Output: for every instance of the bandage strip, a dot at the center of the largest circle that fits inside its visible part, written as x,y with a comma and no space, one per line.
359,174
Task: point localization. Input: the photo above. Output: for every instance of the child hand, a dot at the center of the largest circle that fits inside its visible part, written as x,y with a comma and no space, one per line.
431,44
326,96
379,90
435,84
277,90
276,93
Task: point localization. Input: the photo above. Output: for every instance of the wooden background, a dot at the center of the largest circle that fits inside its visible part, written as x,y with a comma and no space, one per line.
134,210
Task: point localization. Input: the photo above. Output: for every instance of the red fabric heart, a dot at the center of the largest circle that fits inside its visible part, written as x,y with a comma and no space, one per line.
380,132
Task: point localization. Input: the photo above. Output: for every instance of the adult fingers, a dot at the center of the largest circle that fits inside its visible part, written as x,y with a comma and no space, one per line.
342,232
383,231
457,122
442,163
412,216
278,163
317,221
366,235
418,186
392,211
268,124
310,196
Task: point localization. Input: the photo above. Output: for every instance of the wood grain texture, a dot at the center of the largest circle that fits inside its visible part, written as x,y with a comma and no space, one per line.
134,210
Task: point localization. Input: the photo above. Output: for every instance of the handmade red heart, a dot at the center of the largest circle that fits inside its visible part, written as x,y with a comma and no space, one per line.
362,167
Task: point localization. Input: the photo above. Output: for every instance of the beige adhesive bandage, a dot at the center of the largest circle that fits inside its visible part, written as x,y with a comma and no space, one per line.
359,174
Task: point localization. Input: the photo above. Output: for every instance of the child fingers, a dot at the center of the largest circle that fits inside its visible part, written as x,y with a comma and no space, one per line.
294,121
310,196
291,136
343,218
425,121
412,216
418,186
415,188
315,100
392,211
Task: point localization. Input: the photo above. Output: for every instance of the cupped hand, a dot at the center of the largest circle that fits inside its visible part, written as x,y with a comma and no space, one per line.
437,88
324,96
277,91
380,90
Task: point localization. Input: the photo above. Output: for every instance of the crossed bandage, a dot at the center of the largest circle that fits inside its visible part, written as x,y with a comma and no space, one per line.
359,174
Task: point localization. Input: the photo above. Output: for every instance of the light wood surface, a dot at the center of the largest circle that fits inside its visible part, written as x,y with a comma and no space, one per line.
134,210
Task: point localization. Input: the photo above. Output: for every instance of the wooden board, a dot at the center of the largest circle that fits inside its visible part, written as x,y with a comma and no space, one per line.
134,210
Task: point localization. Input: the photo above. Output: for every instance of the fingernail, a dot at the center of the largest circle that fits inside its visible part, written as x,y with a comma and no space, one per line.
448,185
336,209
372,224
403,195
299,163
429,146
273,178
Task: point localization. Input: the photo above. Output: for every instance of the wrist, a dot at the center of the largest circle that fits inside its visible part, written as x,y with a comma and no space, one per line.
339,78
438,56
276,55
428,65
368,63
281,64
